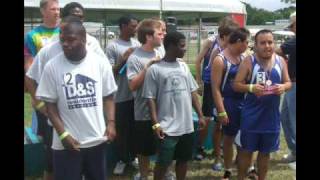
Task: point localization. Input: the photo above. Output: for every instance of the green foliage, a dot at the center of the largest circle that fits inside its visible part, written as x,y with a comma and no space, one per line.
257,16
289,1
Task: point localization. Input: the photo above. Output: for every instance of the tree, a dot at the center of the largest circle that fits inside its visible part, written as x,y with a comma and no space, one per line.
289,1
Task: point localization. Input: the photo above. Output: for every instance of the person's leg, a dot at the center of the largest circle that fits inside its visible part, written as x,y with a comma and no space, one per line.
95,162
263,161
145,145
183,154
288,118
217,136
244,163
181,169
165,154
47,141
249,143
67,165
201,139
228,151
130,131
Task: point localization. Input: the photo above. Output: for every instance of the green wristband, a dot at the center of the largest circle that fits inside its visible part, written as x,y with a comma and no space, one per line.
222,114
251,88
40,105
63,135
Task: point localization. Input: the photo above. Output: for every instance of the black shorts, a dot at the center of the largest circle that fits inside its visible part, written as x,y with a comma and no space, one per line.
46,131
144,138
124,126
207,102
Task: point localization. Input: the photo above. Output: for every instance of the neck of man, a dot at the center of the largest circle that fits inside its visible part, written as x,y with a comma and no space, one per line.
265,61
147,47
49,23
233,54
124,36
170,57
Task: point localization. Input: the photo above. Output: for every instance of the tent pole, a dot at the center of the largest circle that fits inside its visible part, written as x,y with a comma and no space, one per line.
160,13
199,33
105,31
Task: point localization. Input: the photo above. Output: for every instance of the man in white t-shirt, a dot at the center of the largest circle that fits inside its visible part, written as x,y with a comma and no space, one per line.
78,88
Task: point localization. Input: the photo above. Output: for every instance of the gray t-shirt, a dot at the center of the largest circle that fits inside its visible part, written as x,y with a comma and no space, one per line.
114,52
171,84
136,62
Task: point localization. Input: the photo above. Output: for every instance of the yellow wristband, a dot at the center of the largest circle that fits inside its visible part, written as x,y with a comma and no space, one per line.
156,126
40,105
222,114
63,135
251,88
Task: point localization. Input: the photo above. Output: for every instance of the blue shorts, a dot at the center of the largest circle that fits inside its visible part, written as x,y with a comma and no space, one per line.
71,165
262,142
234,114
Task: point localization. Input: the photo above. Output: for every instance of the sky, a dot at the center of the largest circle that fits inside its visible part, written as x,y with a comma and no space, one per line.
270,5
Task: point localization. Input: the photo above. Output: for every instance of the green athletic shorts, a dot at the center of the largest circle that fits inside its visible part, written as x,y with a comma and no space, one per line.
174,148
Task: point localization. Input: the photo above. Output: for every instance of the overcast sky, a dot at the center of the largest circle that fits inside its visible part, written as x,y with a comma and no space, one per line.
270,5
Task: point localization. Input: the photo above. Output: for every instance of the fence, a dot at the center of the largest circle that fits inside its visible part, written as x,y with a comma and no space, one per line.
105,34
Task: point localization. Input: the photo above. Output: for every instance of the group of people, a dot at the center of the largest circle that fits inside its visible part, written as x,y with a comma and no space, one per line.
141,94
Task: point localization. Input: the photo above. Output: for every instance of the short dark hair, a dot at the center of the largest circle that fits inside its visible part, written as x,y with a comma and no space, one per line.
125,20
172,38
239,34
146,27
66,11
71,18
263,31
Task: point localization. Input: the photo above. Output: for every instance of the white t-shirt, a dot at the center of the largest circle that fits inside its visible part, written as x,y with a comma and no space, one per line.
53,49
78,90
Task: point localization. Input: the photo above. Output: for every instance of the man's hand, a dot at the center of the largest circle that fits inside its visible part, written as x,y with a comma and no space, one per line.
71,144
258,89
152,61
279,89
110,131
224,120
201,123
159,133
126,54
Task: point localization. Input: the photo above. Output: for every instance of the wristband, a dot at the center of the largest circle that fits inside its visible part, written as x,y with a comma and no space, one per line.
251,88
222,114
40,105
156,126
63,135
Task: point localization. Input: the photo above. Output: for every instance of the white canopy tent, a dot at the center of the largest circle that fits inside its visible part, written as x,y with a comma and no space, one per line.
216,6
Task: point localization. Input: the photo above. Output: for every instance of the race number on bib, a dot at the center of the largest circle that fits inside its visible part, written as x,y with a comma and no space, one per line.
261,78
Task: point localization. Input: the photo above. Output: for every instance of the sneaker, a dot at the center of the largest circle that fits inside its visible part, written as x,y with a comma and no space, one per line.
217,166
119,169
253,174
200,153
289,158
227,175
135,163
293,165
169,176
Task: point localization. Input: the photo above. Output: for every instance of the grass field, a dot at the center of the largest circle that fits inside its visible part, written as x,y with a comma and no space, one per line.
198,170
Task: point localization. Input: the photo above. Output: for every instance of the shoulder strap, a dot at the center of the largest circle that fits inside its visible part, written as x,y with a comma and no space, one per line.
226,69
278,66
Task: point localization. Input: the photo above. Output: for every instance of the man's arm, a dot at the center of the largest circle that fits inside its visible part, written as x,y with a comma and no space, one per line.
244,72
197,107
68,142
206,46
156,126
109,109
136,82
